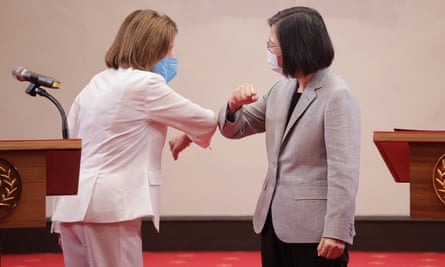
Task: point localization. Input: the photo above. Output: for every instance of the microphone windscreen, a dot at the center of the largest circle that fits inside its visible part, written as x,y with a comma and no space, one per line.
18,73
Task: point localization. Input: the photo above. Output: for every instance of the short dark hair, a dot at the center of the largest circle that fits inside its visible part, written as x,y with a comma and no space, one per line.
143,38
304,40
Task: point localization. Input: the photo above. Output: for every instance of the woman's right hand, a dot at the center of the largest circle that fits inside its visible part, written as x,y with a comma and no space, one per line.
178,144
244,94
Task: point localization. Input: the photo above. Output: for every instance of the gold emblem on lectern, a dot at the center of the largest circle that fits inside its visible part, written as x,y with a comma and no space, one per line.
439,178
10,188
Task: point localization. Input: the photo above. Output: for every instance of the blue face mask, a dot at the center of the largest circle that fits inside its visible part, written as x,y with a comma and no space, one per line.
166,67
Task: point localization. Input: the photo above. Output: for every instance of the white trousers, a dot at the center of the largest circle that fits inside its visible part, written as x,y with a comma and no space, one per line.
102,244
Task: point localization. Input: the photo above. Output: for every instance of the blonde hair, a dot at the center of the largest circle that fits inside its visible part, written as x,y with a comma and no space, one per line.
143,39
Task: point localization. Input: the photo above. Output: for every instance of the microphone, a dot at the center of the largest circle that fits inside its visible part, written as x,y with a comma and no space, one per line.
22,74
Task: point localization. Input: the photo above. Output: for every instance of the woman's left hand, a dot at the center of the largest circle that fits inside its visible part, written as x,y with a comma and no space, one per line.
178,144
330,248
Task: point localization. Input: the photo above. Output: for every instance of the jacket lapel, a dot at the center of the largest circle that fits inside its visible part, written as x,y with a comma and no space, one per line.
308,96
303,103
283,110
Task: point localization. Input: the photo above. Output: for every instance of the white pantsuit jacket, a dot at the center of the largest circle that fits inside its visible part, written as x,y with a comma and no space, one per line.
312,177
122,117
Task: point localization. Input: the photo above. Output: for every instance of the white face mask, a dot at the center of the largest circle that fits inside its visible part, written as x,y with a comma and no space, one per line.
272,60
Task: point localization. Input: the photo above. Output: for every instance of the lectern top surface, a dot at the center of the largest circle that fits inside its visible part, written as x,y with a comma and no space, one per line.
410,136
40,144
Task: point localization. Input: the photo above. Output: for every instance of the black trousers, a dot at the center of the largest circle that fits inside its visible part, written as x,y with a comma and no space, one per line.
276,253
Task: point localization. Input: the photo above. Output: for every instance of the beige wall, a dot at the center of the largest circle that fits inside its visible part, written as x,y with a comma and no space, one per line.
390,52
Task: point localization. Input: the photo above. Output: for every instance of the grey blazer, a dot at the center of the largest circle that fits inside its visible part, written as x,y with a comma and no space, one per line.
312,177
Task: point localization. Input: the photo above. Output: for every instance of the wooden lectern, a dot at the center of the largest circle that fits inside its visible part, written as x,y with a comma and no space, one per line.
418,158
31,170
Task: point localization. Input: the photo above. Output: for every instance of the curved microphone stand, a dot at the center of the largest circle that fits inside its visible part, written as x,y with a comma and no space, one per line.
34,90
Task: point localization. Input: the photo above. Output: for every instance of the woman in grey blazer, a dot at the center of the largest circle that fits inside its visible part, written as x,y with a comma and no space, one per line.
305,212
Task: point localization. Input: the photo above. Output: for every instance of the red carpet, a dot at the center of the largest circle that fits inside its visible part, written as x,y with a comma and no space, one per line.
237,259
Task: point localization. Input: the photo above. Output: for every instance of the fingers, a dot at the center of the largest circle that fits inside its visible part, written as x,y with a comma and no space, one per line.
59,241
175,154
173,149
244,94
178,144
247,92
330,248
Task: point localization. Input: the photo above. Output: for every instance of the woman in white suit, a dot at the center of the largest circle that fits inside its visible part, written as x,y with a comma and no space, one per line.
122,116
305,212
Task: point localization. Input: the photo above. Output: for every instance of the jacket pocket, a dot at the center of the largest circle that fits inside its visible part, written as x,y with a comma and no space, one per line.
154,178
309,192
